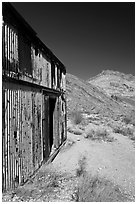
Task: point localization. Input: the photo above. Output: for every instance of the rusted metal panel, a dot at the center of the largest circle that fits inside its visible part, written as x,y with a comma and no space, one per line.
19,120
29,116
60,119
3,140
41,67
49,74
56,124
56,77
3,46
46,72
45,122
10,49
53,75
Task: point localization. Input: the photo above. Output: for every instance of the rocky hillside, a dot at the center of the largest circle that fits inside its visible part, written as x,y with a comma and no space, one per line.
117,85
90,98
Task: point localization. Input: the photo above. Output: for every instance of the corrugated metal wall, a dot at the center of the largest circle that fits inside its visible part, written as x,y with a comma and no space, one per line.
10,60
30,125
22,133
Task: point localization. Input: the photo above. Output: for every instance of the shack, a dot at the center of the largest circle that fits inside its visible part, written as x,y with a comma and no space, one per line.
33,100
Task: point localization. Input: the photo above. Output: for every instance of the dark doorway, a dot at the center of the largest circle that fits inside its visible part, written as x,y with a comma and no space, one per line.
52,102
47,124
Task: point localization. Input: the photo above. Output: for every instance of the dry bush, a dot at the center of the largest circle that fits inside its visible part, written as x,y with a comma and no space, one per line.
75,131
82,128
76,117
126,131
95,189
82,165
100,134
129,119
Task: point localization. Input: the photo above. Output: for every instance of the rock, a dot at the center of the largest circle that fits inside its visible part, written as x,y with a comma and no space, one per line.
85,135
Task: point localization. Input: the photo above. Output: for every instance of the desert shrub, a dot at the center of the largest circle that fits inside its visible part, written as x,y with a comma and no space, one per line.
82,128
127,120
96,189
76,117
81,169
75,131
126,131
100,134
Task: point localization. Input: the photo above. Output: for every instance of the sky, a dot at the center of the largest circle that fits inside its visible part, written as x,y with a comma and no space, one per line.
86,37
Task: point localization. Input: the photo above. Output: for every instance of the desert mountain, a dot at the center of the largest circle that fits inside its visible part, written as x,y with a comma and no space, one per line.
117,85
89,97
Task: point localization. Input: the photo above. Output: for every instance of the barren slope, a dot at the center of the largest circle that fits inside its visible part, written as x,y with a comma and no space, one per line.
117,85
89,98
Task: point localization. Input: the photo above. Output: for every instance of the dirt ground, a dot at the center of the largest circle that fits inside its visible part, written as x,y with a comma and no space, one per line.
114,161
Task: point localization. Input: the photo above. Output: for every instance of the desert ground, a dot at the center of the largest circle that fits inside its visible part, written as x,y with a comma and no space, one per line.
95,164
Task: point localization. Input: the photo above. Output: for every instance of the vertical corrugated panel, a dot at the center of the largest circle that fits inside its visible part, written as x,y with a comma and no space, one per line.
25,141
49,74
33,130
21,140
55,76
10,49
23,133
45,127
41,64
18,125
15,51
3,46
58,78
6,107
13,134
3,141
11,137
8,141
28,132
60,120
56,125
36,131
17,140
44,82
41,127
37,65
6,49
33,61
52,75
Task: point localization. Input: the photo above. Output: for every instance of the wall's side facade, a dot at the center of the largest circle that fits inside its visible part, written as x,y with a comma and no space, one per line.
33,102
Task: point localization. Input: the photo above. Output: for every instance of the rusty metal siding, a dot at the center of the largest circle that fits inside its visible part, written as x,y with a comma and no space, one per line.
22,142
10,49
31,125
41,67
45,128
